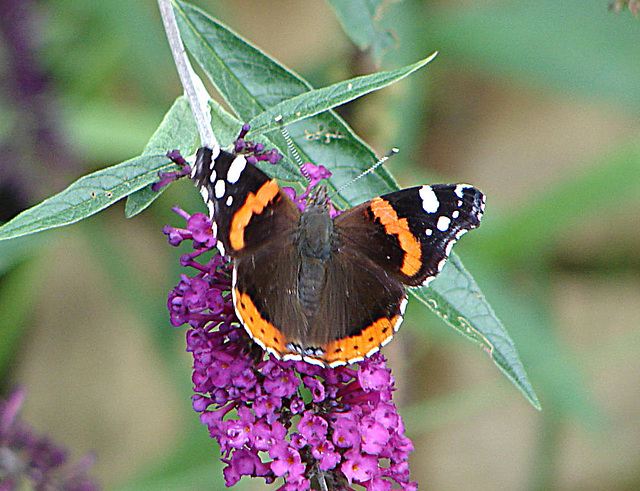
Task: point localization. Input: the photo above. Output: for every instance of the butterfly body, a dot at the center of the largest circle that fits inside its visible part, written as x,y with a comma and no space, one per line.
327,290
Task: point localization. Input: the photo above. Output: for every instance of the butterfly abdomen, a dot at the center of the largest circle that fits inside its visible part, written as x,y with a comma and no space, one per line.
315,232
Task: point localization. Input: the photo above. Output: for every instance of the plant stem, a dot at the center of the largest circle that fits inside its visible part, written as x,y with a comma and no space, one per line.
193,87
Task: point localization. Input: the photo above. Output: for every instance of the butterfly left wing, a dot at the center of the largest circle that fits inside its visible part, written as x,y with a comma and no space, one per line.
410,233
247,206
255,223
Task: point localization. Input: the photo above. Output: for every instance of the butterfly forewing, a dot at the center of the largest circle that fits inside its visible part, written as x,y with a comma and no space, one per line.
247,206
410,233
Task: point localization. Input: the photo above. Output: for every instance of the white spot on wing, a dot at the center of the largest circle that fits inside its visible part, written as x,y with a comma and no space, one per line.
428,280
213,176
234,280
312,361
229,201
448,247
428,232
220,247
441,264
292,356
268,350
374,350
396,326
235,169
219,189
443,223
459,190
430,201
403,305
204,192
455,214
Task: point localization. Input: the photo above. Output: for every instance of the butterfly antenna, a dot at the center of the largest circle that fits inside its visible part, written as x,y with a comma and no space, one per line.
381,161
292,149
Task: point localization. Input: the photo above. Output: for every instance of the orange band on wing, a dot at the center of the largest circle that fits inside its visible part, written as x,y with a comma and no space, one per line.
399,227
356,348
338,352
262,331
253,205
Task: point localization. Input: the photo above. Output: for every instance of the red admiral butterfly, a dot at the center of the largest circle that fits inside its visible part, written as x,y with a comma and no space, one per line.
327,290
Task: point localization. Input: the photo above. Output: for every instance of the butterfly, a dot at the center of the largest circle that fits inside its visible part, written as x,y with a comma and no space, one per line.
329,291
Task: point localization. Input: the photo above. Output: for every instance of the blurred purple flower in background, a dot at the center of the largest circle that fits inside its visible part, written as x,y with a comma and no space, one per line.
29,461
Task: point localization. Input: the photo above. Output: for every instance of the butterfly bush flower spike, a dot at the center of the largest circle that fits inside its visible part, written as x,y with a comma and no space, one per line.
305,425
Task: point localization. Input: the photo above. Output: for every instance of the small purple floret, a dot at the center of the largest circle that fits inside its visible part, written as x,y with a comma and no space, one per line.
167,178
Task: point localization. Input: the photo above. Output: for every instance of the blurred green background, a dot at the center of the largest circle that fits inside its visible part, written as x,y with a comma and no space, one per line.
536,103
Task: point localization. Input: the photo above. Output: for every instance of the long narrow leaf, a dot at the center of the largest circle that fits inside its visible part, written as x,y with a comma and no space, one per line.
87,196
456,299
316,101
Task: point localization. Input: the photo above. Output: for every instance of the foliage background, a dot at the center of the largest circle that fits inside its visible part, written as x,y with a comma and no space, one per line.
536,103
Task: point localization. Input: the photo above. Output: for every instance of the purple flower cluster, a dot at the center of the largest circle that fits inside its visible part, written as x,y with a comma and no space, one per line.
315,427
28,461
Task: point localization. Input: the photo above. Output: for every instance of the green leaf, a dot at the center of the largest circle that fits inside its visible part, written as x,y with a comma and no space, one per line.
87,196
456,298
140,200
251,82
176,131
316,101
360,20
551,359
